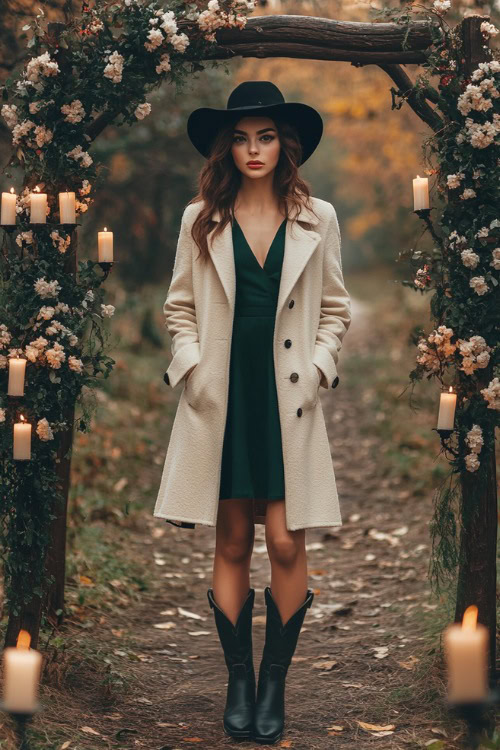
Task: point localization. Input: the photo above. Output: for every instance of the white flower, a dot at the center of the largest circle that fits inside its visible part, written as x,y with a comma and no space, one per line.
42,135
55,355
2,415
156,38
75,363
21,130
46,313
114,68
74,112
47,288
142,110
9,114
474,438
164,64
107,310
168,22
86,187
32,352
441,6
44,430
3,361
41,66
488,29
491,394
468,193
25,237
179,42
469,258
472,462
495,254
59,242
78,153
483,232
453,180
5,336
479,285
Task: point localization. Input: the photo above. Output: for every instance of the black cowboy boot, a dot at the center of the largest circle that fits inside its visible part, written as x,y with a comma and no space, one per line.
236,641
281,640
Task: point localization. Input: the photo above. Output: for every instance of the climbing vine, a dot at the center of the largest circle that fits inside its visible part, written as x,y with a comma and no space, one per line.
461,271
96,69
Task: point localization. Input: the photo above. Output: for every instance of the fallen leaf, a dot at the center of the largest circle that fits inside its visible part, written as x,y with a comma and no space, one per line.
199,632
327,665
65,745
336,728
193,615
375,727
89,730
165,625
87,581
409,663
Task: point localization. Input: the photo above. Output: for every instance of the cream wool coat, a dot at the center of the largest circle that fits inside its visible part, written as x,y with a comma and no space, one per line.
312,317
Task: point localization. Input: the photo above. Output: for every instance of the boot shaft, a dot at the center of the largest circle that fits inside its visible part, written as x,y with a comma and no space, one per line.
281,640
236,640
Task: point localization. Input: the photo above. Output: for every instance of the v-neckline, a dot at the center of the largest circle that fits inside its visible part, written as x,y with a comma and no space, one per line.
270,246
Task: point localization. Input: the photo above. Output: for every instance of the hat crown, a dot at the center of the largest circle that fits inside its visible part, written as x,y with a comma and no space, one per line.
254,94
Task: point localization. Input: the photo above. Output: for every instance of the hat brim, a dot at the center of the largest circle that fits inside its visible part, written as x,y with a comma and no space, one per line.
204,123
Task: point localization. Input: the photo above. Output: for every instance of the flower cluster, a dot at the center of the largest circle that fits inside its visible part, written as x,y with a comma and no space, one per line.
475,354
492,394
479,96
436,349
474,441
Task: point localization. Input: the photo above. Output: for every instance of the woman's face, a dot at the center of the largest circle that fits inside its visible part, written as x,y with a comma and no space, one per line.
251,143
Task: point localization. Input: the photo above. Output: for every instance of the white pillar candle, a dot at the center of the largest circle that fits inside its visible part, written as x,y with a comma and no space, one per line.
38,208
22,439
8,212
447,404
420,193
105,244
17,370
466,652
67,208
22,667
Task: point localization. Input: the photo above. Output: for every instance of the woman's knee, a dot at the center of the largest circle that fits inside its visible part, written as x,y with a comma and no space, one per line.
235,533
284,549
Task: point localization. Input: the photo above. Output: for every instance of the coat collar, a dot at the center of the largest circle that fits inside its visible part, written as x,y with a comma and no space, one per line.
300,243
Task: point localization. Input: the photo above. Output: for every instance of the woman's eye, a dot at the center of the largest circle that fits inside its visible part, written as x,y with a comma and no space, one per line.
235,139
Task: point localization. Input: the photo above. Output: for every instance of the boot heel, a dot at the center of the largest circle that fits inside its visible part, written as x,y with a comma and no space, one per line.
236,641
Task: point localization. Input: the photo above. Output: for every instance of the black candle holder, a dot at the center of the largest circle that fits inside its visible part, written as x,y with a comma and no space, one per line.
8,227
425,214
106,266
445,435
20,719
474,714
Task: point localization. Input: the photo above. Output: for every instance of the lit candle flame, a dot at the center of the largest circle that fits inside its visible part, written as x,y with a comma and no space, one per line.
22,417
23,639
105,229
12,190
470,618
451,389
37,189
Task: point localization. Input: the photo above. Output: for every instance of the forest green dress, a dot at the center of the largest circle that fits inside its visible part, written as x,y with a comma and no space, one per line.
252,456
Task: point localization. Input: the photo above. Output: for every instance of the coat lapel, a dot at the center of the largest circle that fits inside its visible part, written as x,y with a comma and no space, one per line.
300,244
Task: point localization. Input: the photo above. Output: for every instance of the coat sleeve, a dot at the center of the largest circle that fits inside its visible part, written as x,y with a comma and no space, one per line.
179,310
335,315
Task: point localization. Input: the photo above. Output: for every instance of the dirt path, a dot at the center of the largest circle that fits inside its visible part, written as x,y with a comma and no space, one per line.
362,654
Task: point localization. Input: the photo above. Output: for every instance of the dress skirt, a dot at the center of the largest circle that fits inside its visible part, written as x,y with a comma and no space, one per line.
252,455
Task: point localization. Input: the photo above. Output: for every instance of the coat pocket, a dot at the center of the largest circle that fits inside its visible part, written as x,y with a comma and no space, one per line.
199,388
313,385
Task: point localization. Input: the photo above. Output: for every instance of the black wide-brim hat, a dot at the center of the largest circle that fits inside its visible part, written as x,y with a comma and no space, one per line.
259,98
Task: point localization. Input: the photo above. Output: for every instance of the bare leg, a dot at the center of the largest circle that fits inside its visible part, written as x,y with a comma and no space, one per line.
235,534
287,554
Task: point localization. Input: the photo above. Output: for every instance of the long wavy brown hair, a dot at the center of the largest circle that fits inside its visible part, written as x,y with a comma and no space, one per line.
219,181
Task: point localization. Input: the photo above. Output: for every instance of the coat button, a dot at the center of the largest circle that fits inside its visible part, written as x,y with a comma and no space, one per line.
166,379
294,377
335,382
288,343
291,303
299,412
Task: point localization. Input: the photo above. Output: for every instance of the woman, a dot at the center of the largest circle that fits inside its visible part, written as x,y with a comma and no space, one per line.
256,310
